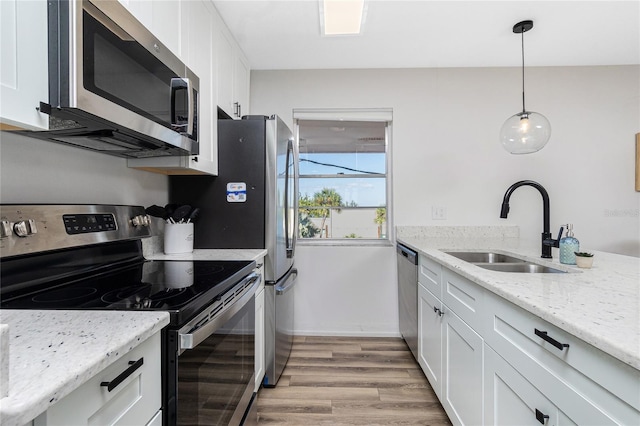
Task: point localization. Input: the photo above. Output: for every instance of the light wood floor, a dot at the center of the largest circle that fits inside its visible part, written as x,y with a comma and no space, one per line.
350,381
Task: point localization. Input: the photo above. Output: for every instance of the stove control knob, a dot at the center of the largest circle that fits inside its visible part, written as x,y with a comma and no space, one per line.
24,228
20,228
5,229
141,220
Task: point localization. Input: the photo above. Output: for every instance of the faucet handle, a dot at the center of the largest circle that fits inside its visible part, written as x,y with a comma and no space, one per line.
560,233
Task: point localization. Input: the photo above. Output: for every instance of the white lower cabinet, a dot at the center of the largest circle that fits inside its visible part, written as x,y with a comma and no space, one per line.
462,390
157,419
492,362
511,399
450,352
430,337
134,396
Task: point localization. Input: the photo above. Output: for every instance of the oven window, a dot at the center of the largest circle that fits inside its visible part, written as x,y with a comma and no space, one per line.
213,377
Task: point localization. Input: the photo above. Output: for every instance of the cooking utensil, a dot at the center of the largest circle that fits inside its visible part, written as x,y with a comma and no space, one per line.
193,215
181,213
157,211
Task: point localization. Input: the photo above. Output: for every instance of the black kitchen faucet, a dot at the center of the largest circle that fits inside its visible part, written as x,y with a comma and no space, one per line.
547,241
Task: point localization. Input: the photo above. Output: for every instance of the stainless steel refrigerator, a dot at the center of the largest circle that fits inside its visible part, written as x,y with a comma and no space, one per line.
252,203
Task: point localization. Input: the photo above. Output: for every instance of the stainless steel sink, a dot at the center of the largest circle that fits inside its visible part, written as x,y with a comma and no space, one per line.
503,262
483,257
523,267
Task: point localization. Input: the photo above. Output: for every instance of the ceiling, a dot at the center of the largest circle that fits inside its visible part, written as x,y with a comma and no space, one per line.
285,34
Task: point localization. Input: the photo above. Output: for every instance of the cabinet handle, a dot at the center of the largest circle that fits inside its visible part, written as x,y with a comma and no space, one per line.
133,366
438,311
543,335
540,416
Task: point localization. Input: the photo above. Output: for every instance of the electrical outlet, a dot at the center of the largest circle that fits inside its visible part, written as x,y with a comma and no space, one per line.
438,213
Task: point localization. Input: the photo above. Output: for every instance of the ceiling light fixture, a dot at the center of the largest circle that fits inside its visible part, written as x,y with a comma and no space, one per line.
527,131
341,17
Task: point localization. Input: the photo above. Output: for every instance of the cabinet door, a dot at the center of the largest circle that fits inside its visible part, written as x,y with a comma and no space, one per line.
510,398
166,23
199,56
23,68
241,85
224,75
462,371
141,10
199,24
430,337
232,75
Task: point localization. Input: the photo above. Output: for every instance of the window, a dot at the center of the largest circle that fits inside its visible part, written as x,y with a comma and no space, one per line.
344,179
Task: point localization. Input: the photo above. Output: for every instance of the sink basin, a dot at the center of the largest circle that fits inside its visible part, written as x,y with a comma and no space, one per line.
522,267
502,262
483,257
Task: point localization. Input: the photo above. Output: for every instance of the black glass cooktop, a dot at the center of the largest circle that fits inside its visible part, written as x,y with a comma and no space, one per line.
182,288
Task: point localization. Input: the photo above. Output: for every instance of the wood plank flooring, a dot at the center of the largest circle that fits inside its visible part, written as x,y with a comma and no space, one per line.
350,381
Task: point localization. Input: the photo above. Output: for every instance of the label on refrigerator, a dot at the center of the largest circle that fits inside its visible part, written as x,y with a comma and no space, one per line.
236,192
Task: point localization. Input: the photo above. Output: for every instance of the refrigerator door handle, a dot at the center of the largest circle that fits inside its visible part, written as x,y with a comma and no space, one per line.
288,284
289,239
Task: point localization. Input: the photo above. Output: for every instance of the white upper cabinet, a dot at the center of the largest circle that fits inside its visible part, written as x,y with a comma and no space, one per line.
241,84
23,68
233,75
197,20
162,18
210,51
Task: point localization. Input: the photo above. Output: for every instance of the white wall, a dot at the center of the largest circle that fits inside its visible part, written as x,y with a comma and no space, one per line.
346,291
36,171
446,152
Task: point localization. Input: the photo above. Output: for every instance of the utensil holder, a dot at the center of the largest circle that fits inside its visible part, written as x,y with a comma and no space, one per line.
178,238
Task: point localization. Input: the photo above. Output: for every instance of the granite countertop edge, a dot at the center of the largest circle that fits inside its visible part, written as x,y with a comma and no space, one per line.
52,353
573,301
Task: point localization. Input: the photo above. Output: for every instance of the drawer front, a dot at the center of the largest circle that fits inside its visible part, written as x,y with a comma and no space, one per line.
539,351
430,275
512,400
135,400
463,297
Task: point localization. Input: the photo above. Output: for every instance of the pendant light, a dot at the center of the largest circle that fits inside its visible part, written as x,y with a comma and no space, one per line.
526,131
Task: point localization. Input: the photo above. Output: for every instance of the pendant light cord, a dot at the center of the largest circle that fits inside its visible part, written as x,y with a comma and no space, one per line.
523,108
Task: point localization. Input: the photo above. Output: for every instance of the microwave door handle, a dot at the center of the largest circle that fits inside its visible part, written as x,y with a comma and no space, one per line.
191,101
183,84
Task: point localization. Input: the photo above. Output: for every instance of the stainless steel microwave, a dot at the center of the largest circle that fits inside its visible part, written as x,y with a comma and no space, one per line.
114,87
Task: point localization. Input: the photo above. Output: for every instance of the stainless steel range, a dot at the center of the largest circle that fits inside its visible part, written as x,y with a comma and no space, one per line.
90,257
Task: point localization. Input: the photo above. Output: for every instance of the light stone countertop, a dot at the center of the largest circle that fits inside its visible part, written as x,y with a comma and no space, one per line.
600,305
211,254
54,352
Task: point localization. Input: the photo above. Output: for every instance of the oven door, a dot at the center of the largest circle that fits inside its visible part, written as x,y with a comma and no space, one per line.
215,363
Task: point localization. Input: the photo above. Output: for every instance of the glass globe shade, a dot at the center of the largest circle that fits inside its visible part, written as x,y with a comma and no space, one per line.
525,132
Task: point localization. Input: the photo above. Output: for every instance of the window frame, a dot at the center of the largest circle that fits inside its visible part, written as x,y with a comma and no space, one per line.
346,114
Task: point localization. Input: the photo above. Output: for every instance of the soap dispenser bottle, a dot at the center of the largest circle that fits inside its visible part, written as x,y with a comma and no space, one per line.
569,245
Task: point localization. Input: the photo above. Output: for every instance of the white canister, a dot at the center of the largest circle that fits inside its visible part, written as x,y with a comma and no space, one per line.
178,238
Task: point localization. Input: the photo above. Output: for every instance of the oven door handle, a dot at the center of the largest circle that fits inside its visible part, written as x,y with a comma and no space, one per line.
192,339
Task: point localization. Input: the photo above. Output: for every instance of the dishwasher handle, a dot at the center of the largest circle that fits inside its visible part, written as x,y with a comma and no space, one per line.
409,254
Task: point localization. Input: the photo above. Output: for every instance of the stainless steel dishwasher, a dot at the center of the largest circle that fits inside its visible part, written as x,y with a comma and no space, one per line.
408,296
